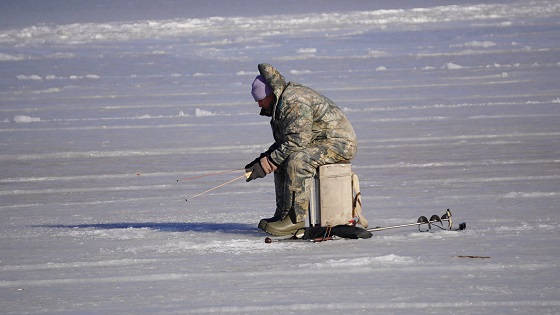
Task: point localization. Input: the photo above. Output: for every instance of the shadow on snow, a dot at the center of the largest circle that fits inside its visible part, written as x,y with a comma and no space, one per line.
204,227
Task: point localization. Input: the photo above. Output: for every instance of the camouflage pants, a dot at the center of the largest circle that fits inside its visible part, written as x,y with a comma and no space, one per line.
293,178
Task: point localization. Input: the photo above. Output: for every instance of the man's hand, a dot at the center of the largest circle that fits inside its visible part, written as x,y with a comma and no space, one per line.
267,165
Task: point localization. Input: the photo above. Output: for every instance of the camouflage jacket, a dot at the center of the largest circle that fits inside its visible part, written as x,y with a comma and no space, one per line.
301,117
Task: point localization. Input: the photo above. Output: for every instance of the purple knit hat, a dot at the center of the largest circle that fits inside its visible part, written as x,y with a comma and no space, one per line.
260,89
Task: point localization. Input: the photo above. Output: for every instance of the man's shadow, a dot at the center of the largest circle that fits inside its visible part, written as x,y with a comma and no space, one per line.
202,227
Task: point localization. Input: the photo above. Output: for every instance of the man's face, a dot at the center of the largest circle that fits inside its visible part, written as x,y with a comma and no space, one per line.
266,103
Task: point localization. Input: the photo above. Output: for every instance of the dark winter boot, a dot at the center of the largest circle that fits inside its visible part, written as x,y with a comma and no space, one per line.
286,226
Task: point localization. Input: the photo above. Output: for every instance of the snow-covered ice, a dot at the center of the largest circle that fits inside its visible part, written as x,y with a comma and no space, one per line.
110,114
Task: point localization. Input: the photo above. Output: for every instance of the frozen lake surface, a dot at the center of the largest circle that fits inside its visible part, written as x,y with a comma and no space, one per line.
104,107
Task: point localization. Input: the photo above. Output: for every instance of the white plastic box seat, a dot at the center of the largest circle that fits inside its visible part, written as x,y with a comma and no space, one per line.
330,203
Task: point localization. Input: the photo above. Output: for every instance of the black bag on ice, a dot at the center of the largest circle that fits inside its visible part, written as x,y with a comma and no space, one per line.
344,231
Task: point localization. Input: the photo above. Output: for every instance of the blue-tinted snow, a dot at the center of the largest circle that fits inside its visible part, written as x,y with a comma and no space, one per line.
104,105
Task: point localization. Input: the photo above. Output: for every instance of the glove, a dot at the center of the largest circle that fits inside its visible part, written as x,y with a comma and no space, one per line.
255,170
273,147
248,166
260,167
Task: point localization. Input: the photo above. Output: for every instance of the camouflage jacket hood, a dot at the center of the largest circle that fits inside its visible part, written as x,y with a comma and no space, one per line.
275,80
301,117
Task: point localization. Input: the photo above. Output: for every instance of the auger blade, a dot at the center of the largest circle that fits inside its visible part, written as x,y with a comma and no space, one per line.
435,218
423,220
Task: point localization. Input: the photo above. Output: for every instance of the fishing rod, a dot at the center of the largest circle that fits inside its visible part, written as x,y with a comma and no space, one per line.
206,175
246,175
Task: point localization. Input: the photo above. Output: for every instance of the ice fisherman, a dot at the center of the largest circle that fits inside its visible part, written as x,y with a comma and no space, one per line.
309,131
